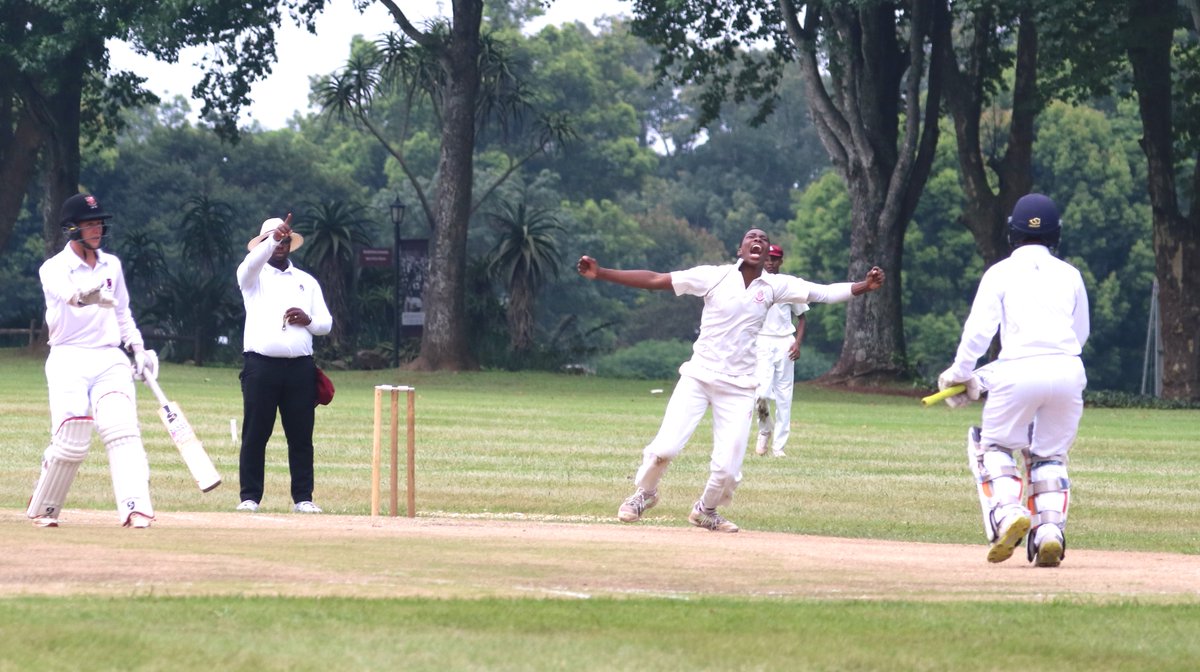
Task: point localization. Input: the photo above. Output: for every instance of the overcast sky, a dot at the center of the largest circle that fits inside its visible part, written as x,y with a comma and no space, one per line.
301,54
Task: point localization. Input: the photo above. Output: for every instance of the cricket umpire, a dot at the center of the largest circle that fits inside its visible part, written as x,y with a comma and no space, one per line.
285,308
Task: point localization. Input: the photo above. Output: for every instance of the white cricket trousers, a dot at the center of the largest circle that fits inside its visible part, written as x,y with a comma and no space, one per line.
1046,391
731,411
79,380
78,377
776,375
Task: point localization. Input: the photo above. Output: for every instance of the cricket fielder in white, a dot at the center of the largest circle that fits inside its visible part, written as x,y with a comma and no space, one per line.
1035,386
87,372
778,349
720,373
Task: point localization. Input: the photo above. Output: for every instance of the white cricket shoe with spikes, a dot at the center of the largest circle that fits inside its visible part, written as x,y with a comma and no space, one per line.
710,520
635,505
1009,533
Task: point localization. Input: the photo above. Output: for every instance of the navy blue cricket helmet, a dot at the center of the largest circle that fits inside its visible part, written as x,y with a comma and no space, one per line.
1034,219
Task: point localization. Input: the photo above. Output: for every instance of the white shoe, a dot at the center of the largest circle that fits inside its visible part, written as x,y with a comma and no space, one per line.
306,507
45,521
760,448
1049,551
138,521
710,520
635,505
248,505
778,453
1008,535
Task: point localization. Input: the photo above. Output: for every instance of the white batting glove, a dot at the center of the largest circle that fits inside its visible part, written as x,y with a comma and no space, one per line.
145,363
95,296
947,380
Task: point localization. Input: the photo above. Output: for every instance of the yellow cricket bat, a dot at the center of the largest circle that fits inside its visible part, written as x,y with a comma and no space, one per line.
184,436
944,394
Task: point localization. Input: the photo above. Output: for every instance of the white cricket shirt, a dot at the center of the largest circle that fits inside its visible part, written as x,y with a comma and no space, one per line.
86,326
779,319
734,313
1039,304
268,293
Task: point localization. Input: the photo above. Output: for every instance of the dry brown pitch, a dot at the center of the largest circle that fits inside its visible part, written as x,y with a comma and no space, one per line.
454,557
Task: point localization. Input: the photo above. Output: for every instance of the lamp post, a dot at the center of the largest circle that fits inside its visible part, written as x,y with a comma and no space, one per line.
397,213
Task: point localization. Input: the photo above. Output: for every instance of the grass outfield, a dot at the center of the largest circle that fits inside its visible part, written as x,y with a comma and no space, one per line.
546,449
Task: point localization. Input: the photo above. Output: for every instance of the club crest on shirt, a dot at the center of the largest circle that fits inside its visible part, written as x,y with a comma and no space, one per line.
760,297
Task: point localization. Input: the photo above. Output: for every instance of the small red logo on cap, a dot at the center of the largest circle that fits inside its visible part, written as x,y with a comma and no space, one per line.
91,201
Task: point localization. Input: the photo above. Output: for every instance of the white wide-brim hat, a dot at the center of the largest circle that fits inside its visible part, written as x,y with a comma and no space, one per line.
268,227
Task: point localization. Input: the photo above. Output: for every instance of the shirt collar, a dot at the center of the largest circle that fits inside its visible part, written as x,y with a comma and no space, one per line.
76,260
1031,250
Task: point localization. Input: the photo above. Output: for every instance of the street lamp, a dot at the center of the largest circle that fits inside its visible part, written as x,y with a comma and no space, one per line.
397,212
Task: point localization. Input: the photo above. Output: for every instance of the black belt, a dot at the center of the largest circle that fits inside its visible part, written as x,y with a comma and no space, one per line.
255,355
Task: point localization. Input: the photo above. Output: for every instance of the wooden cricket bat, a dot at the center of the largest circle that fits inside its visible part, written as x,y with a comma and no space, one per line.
944,394
184,436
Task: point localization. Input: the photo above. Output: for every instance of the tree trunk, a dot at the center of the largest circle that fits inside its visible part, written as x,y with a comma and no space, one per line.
333,284
20,139
1176,237
444,344
61,156
868,114
985,212
520,314
874,348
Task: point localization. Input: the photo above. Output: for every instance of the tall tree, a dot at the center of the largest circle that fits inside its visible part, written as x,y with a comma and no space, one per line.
1168,92
463,72
872,74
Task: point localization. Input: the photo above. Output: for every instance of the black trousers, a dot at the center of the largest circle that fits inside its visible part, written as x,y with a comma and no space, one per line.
271,384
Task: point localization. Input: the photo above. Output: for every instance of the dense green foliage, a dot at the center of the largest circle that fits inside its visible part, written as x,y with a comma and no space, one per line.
648,360
185,203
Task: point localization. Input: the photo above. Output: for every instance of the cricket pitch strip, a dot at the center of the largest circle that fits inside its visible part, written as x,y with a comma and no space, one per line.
236,553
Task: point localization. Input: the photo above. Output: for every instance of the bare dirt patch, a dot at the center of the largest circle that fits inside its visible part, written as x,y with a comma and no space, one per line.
446,557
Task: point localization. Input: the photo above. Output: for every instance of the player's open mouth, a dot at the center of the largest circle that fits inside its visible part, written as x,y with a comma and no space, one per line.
756,249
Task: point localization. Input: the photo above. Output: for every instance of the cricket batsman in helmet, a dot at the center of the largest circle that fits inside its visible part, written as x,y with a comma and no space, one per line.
88,374
1034,388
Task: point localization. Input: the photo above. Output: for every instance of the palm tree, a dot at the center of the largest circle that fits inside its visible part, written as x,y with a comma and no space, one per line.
526,254
331,230
207,229
145,263
194,300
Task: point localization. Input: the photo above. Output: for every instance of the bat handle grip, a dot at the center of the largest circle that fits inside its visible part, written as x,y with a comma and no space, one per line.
152,383
944,394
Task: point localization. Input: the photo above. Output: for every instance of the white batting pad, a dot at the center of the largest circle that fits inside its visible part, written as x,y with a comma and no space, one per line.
60,463
130,476
116,420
